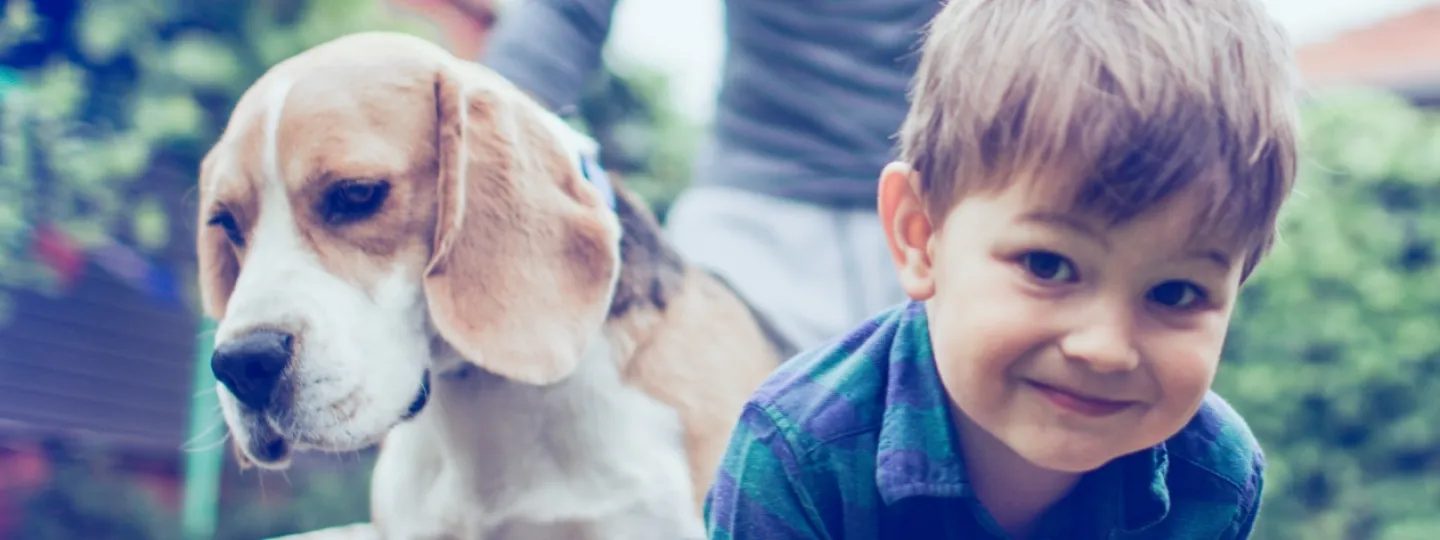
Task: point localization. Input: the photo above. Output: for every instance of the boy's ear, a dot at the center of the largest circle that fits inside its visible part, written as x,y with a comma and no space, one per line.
907,229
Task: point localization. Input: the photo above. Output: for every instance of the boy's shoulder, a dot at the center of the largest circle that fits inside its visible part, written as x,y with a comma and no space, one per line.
839,389
1216,450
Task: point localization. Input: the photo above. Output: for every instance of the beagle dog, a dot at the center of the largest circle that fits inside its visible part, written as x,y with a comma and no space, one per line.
402,247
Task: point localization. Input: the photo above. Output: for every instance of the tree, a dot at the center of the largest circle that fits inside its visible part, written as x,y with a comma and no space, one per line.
641,135
1334,356
109,105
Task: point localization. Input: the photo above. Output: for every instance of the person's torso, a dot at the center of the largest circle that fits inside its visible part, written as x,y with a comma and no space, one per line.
812,93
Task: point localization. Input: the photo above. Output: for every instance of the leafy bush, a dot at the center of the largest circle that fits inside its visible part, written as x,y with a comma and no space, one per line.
1334,353
86,497
642,137
108,106
105,100
317,497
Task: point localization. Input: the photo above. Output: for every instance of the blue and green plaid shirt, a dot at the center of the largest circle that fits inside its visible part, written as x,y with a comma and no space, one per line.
854,441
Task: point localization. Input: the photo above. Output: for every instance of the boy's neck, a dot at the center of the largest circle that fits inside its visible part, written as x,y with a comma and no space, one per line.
1014,491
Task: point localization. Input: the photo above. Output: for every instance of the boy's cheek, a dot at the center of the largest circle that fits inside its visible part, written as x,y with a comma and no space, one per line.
990,323
1185,367
1199,334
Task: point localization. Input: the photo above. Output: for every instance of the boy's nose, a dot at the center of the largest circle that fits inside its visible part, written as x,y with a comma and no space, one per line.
1104,342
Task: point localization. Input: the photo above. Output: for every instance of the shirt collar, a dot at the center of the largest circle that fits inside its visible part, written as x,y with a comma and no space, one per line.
1143,494
918,453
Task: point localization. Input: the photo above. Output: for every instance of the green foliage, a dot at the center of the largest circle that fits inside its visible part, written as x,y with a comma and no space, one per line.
318,498
1334,354
87,498
641,135
144,86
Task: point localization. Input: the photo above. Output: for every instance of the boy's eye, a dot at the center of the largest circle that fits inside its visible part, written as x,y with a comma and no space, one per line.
1177,294
1048,266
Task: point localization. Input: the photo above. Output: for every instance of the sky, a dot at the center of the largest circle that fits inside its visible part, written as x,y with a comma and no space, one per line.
683,38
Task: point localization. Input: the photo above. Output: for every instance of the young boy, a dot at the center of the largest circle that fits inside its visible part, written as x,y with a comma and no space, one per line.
1085,185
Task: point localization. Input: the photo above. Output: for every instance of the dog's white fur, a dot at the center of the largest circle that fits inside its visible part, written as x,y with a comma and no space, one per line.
600,466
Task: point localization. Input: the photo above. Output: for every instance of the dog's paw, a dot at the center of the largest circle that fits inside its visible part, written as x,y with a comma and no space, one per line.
357,531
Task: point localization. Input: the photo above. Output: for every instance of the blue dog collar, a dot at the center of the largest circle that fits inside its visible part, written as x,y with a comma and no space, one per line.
593,172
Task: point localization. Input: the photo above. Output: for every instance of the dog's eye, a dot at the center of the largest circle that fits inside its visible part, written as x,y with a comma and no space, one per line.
226,221
353,200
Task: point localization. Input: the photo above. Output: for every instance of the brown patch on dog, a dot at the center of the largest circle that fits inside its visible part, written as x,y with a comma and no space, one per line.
651,270
520,276
704,355
338,124
685,338
219,267
225,186
337,131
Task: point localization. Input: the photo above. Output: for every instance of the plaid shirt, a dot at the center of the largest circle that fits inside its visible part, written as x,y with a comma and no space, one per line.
854,441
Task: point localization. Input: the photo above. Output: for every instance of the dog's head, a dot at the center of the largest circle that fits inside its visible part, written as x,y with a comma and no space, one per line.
375,197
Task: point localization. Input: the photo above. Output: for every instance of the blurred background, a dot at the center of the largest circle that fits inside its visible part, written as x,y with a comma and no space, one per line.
108,430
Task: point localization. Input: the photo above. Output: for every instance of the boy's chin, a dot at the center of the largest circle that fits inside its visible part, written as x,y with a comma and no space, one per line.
1068,453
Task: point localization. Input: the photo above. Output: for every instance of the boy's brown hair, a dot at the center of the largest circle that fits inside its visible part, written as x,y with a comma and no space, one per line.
1137,99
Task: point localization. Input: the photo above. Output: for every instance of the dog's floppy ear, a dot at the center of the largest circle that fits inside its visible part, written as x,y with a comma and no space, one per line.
218,267
525,253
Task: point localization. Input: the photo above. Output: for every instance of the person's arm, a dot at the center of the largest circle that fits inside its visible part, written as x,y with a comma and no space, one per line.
550,48
758,493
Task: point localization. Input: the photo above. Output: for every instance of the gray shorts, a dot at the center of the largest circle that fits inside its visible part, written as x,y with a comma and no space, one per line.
815,271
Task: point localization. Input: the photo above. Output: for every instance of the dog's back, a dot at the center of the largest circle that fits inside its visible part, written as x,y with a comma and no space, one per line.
689,339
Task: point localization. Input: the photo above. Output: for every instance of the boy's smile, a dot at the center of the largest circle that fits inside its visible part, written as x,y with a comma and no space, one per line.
1080,402
1068,340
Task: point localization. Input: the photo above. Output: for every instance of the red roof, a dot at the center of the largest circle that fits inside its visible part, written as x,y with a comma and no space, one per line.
1402,51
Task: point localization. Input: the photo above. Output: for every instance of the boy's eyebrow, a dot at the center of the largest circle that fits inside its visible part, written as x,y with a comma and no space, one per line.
1067,221
1078,225
1213,255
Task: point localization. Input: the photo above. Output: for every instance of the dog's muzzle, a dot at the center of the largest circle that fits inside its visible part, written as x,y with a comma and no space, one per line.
252,366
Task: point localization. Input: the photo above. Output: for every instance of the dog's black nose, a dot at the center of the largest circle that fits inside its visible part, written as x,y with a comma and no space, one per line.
250,365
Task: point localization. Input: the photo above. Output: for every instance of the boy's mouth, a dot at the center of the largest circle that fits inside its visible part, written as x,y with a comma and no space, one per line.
1080,403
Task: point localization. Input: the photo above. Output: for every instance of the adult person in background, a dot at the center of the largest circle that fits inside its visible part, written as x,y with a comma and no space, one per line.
782,199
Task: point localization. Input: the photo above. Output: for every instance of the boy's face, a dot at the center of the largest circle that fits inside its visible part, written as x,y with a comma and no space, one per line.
1071,342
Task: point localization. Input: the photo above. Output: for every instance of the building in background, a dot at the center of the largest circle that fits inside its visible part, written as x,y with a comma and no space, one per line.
1401,54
